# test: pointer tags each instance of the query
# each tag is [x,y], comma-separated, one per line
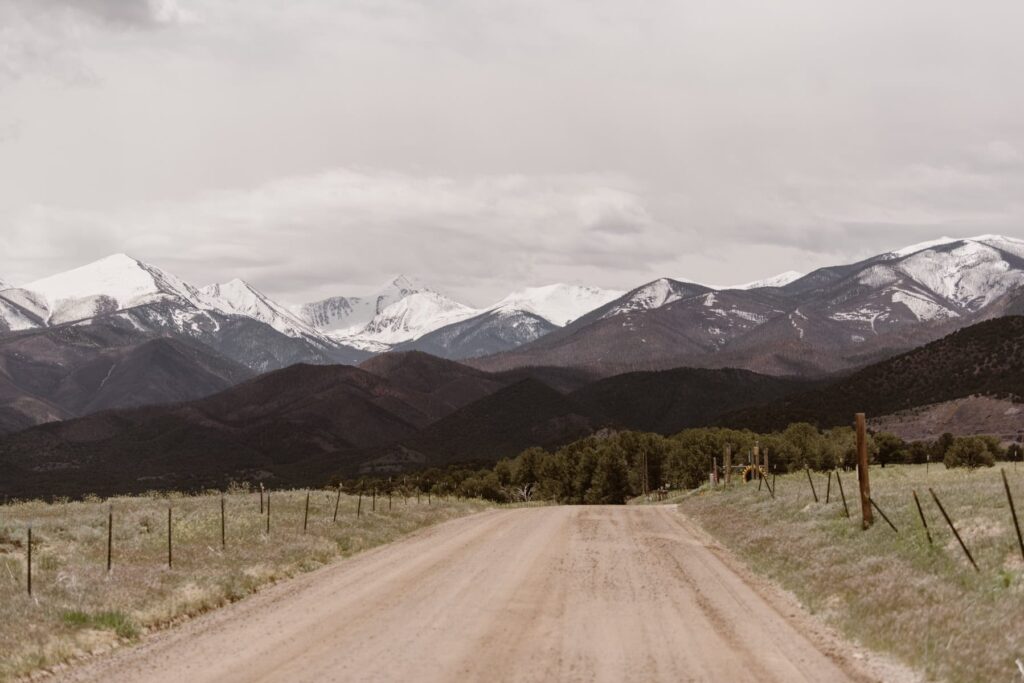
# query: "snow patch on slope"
[408,319]
[971,275]
[559,304]
[780,280]
[922,307]
[922,246]
[349,314]
[655,294]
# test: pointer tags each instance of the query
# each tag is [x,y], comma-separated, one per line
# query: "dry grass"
[77,608]
[892,591]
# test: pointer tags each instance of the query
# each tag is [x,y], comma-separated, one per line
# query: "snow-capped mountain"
[407,319]
[238,297]
[427,321]
[101,287]
[122,292]
[830,319]
[492,331]
[827,319]
[349,314]
[559,304]
[4,284]
[656,294]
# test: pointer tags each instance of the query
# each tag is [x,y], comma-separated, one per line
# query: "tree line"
[612,467]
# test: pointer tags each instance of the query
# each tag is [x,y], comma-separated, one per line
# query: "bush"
[970,451]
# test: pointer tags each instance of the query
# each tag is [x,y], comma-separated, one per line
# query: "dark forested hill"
[985,359]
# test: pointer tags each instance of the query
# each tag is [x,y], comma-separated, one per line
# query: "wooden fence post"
[867,517]
[305,518]
[268,513]
[359,505]
[728,464]
[29,560]
[373,507]
[261,497]
[170,546]
[110,538]
[337,503]
[924,522]
[1013,513]
[828,488]
[223,524]
[955,532]
[842,494]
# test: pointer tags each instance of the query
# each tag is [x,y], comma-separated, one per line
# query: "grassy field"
[78,608]
[892,591]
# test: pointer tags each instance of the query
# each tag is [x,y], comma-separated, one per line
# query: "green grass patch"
[118,622]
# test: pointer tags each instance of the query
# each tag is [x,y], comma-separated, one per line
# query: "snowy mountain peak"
[780,280]
[109,284]
[1008,244]
[656,294]
[346,315]
[559,303]
[922,246]
[409,318]
[238,297]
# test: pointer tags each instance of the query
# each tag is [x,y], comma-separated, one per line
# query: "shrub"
[970,451]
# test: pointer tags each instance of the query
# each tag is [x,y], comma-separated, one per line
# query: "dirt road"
[541,594]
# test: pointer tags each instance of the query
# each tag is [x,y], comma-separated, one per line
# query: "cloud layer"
[314,146]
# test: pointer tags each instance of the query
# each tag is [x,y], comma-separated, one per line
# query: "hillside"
[70,371]
[528,413]
[260,430]
[985,359]
[672,400]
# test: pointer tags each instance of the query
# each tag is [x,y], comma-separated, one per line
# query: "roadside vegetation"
[78,608]
[893,592]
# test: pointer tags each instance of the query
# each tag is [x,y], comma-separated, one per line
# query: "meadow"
[892,591]
[78,608]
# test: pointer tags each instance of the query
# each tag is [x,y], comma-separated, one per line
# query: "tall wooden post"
[862,473]
[28,560]
[110,538]
[728,464]
[766,470]
[170,535]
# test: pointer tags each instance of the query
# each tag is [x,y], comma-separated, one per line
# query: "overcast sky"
[315,147]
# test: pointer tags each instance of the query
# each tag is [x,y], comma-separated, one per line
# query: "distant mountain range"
[834,319]
[399,411]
